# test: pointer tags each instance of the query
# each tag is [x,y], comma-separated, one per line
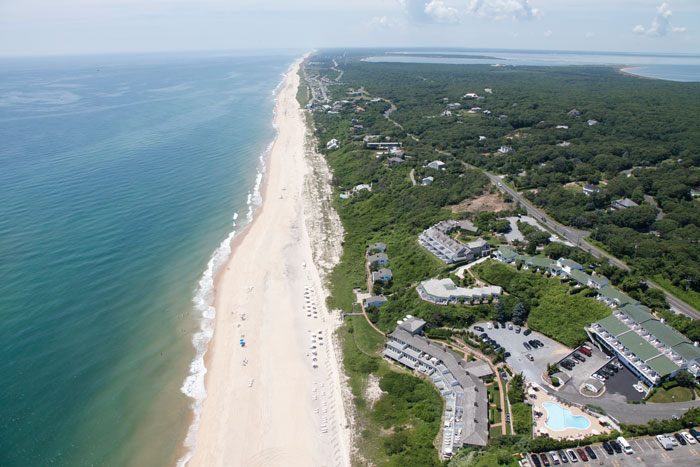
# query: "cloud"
[548,33]
[455,11]
[660,25]
[384,22]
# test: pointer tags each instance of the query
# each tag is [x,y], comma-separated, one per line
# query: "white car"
[673,440]
[688,437]
[489,325]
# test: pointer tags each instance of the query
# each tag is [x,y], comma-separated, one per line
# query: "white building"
[444,291]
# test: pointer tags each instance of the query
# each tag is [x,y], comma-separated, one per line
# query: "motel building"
[651,349]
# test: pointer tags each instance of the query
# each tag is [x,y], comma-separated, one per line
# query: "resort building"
[650,348]
[444,292]
[437,241]
[466,419]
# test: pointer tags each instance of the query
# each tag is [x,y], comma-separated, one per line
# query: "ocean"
[121,179]
[670,67]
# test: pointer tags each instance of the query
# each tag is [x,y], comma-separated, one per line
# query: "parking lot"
[583,370]
[647,451]
[623,383]
[512,342]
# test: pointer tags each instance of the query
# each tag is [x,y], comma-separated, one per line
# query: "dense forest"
[561,128]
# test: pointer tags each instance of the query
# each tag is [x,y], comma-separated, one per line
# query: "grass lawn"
[677,394]
[366,338]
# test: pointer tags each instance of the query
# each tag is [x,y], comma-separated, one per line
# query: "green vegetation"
[366,338]
[553,310]
[399,429]
[676,394]
[690,419]
[522,418]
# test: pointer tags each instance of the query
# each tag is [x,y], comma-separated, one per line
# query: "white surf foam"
[193,386]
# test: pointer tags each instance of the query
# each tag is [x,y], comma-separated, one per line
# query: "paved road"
[577,237]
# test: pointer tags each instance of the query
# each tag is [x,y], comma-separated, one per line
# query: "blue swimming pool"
[560,418]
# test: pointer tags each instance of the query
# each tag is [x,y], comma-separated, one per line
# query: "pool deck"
[539,397]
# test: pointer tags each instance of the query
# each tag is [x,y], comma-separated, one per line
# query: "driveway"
[513,342]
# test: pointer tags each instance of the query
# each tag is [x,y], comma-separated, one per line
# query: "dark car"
[535,460]
[527,346]
[496,347]
[532,343]
[579,357]
[562,457]
[608,448]
[591,453]
[527,332]
[478,328]
[680,439]
[616,446]
[506,355]
[582,454]
[572,455]
[695,433]
[539,342]
[545,460]
[495,325]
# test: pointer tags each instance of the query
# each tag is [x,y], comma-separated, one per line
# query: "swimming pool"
[559,418]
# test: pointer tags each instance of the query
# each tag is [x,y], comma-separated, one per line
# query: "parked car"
[562,456]
[688,437]
[495,325]
[478,328]
[544,459]
[579,357]
[673,440]
[510,326]
[527,346]
[680,439]
[535,460]
[483,335]
[616,446]
[572,455]
[506,355]
[695,433]
[527,332]
[664,442]
[608,448]
[530,357]
[489,325]
[585,351]
[539,342]
[555,458]
[582,454]
[591,453]
[532,343]
[613,368]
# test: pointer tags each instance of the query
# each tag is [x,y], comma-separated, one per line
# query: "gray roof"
[626,202]
[413,325]
[378,257]
[379,246]
[377,300]
[478,368]
[446,289]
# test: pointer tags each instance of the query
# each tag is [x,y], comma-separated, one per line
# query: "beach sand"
[276,410]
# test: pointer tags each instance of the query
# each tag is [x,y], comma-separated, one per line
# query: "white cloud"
[660,25]
[454,11]
[548,33]
[384,22]
[441,13]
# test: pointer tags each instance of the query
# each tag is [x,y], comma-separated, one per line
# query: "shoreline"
[266,402]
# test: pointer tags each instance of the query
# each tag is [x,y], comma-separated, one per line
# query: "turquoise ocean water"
[120,177]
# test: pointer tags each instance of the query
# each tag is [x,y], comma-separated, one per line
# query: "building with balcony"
[466,419]
[444,292]
[650,348]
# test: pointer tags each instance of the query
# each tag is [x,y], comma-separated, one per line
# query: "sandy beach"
[267,404]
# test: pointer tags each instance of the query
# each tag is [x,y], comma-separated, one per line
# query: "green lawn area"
[366,338]
[677,394]
[522,418]
[690,297]
[553,310]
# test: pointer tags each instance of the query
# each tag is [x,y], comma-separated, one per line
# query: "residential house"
[506,254]
[376,301]
[446,113]
[588,190]
[623,203]
[592,122]
[437,165]
[470,95]
[427,181]
[379,247]
[562,127]
[383,276]
[378,259]
[383,144]
[332,145]
[454,106]
[574,112]
[568,265]
[505,149]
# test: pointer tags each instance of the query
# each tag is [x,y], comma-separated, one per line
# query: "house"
[384,275]
[378,259]
[376,301]
[427,181]
[502,117]
[562,127]
[594,385]
[475,110]
[454,106]
[623,203]
[574,112]
[466,416]
[505,149]
[359,109]
[588,190]
[449,250]
[481,138]
[470,95]
[358,188]
[446,113]
[383,145]
[437,165]
[487,112]
[394,161]
[506,254]
[592,122]
[568,265]
[597,282]
[332,145]
[564,144]
[379,246]
[489,90]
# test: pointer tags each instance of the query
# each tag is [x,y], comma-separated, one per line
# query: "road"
[578,238]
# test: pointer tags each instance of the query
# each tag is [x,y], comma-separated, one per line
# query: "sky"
[50,27]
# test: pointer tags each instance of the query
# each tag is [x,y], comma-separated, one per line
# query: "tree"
[499,310]
[685,378]
[519,313]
